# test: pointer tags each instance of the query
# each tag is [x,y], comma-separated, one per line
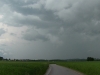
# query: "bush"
[90,59]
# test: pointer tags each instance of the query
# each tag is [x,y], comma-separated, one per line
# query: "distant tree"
[6,59]
[90,59]
[1,58]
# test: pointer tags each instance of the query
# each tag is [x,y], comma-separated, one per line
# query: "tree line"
[88,59]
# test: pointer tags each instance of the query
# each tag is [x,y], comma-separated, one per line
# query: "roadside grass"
[88,68]
[23,68]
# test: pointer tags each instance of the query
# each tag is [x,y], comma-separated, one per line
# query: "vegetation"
[22,68]
[88,68]
[90,59]
[39,67]
[1,58]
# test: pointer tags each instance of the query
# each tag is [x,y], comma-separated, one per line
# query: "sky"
[49,29]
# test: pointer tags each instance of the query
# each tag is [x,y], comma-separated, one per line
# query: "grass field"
[39,68]
[23,68]
[88,68]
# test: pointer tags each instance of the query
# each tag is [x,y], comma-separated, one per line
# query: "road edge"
[48,70]
[80,73]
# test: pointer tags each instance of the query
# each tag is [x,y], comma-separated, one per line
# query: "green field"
[88,68]
[23,68]
[39,68]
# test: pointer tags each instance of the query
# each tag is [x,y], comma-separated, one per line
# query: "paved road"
[59,70]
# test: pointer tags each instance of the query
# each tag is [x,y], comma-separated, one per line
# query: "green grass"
[23,68]
[88,68]
[39,68]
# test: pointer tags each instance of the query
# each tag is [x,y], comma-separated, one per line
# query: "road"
[59,70]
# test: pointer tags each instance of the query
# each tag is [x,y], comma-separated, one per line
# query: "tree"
[90,59]
[1,58]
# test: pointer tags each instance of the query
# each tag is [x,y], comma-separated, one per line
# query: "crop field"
[23,68]
[88,68]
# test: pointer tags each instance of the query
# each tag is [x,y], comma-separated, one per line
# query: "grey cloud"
[76,11]
[12,34]
[3,45]
[72,24]
[33,34]
[81,29]
[47,17]
[35,38]
[2,32]
[3,50]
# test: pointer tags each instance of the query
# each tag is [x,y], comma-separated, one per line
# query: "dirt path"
[59,70]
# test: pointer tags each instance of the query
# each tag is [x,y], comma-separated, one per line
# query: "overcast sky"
[49,29]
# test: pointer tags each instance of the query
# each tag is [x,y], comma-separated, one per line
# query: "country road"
[59,70]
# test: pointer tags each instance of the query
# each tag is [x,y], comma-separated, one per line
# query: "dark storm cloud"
[68,28]
[47,17]
[35,38]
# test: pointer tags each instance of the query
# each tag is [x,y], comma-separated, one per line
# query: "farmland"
[40,68]
[23,68]
[88,68]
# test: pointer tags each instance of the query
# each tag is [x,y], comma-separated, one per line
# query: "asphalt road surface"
[59,70]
